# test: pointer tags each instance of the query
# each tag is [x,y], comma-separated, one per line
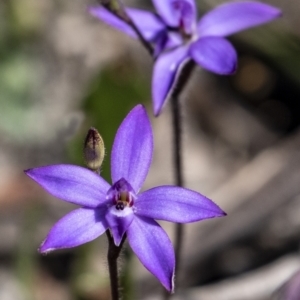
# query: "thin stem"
[177,161]
[177,130]
[112,258]
[177,155]
[177,149]
[177,164]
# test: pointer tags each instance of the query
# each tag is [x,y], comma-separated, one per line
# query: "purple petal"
[148,23]
[185,12]
[166,40]
[132,149]
[177,13]
[214,54]
[165,9]
[165,74]
[160,42]
[154,249]
[110,19]
[176,204]
[76,228]
[230,18]
[174,40]
[71,183]
[118,222]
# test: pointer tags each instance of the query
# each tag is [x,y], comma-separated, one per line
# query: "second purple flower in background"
[178,37]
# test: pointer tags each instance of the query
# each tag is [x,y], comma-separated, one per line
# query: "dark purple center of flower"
[120,205]
[121,194]
[184,10]
[123,199]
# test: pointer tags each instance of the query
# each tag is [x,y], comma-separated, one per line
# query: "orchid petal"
[76,228]
[148,23]
[109,18]
[214,54]
[176,204]
[166,40]
[186,13]
[160,43]
[165,9]
[118,222]
[177,13]
[71,183]
[154,249]
[132,149]
[165,74]
[230,18]
[174,40]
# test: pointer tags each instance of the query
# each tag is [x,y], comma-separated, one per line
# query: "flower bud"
[94,150]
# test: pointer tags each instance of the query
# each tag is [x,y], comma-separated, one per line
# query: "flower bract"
[121,207]
[178,37]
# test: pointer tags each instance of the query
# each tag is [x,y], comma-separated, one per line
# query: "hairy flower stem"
[112,258]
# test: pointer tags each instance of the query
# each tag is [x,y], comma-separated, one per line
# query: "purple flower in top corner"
[120,207]
[178,37]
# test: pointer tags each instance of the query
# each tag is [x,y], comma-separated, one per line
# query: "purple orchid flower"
[120,207]
[178,37]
